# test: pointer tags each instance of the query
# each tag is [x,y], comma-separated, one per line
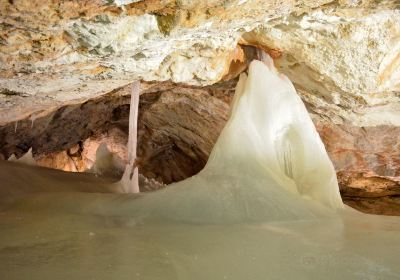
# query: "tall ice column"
[130,179]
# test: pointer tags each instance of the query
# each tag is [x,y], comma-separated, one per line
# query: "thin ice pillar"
[130,179]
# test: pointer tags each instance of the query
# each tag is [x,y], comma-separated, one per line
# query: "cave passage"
[266,206]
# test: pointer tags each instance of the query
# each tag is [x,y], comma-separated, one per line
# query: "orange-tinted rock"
[58,160]
[367,161]
[81,157]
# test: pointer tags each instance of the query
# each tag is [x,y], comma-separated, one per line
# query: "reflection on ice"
[266,206]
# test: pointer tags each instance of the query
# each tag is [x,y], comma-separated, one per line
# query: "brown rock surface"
[367,161]
[178,126]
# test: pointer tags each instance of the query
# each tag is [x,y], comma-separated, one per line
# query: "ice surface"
[266,206]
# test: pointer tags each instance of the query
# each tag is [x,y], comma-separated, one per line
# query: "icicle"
[32,118]
[130,179]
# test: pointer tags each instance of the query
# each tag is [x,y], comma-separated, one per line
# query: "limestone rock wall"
[342,55]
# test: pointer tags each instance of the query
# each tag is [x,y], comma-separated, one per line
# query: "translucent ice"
[270,128]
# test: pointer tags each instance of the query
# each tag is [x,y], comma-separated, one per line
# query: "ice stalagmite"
[270,124]
[27,158]
[269,163]
[106,163]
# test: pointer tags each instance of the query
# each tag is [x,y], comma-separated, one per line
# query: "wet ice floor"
[52,234]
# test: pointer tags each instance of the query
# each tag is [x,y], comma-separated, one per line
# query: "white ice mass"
[269,163]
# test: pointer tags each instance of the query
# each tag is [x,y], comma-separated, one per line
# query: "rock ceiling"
[343,56]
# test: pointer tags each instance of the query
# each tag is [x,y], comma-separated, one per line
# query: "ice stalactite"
[130,179]
[32,118]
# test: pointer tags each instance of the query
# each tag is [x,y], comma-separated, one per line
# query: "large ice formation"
[269,163]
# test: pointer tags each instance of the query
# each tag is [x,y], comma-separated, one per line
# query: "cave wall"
[178,126]
[66,66]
